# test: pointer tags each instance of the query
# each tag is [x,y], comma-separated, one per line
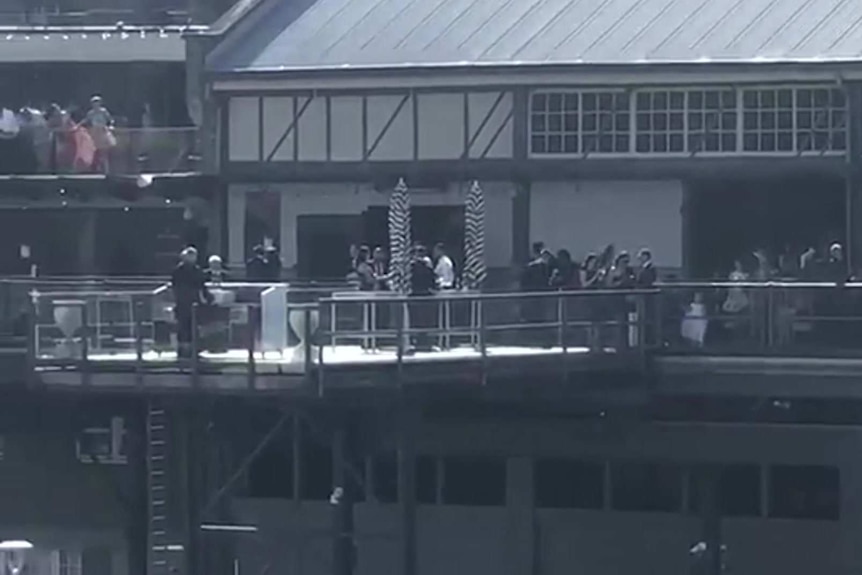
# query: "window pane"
[646,487]
[804,492]
[476,481]
[739,493]
[568,483]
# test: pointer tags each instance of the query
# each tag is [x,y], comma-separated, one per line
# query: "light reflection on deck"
[342,355]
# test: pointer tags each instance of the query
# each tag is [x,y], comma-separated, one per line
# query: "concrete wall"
[517,539]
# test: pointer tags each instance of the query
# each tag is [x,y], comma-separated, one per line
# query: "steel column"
[343,487]
[407,490]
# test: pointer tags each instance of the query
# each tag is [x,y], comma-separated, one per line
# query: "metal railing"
[126,151]
[264,329]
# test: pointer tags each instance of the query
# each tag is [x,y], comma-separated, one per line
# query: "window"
[724,120]
[646,487]
[385,478]
[804,492]
[579,123]
[569,484]
[427,480]
[821,120]
[739,491]
[767,120]
[711,117]
[65,562]
[474,481]
[660,122]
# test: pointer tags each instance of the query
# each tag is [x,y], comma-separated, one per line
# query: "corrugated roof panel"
[620,42]
[338,33]
[796,26]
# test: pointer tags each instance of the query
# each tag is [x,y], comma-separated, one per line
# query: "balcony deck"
[280,337]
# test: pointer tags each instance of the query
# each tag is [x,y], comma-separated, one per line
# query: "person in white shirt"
[444,269]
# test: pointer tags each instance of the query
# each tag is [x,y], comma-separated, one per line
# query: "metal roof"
[343,34]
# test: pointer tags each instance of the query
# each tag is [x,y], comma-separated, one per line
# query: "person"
[537,274]
[621,275]
[215,271]
[423,283]
[272,261]
[100,123]
[256,266]
[646,275]
[188,283]
[444,269]
[380,268]
[566,274]
[364,271]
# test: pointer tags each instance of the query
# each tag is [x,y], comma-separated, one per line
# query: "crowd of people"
[56,139]
[608,270]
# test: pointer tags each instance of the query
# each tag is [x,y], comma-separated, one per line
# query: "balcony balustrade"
[260,330]
[131,151]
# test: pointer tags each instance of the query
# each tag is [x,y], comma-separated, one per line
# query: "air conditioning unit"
[103,445]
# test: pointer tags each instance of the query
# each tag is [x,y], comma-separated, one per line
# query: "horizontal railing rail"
[117,151]
[280,328]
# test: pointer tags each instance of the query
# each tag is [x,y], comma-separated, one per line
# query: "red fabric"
[84,150]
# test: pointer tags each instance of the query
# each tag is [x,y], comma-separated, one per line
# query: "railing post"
[194,347]
[31,335]
[483,341]
[564,334]
[320,366]
[137,326]
[252,335]
[85,344]
[399,349]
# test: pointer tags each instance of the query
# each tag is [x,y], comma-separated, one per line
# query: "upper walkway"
[121,333]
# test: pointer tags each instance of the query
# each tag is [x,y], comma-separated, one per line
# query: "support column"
[711,560]
[687,231]
[520,517]
[343,496]
[195,423]
[406,443]
[521,224]
[854,178]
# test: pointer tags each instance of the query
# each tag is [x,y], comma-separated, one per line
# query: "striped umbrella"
[475,270]
[400,241]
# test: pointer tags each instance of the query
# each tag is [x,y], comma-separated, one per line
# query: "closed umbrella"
[399,237]
[475,269]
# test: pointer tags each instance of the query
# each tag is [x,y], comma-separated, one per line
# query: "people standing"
[423,283]
[188,283]
[444,269]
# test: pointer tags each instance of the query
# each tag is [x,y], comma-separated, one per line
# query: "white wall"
[586,216]
[342,199]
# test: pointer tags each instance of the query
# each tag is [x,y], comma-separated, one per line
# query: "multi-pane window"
[660,122]
[712,121]
[721,120]
[821,120]
[767,120]
[579,123]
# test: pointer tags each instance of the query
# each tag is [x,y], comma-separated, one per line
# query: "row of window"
[689,121]
[744,490]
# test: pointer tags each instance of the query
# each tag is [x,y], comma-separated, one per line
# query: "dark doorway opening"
[731,218]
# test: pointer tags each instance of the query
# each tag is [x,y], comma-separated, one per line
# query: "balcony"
[265,337]
[91,13]
[73,153]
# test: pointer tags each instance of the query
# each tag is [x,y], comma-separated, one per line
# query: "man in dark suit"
[188,283]
[646,275]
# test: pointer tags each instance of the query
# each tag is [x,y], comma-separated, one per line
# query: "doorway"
[323,245]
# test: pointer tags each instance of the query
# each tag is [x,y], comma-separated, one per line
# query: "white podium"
[273,319]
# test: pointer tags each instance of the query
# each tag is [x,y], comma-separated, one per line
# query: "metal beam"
[343,496]
[290,128]
[379,138]
[245,464]
[488,115]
